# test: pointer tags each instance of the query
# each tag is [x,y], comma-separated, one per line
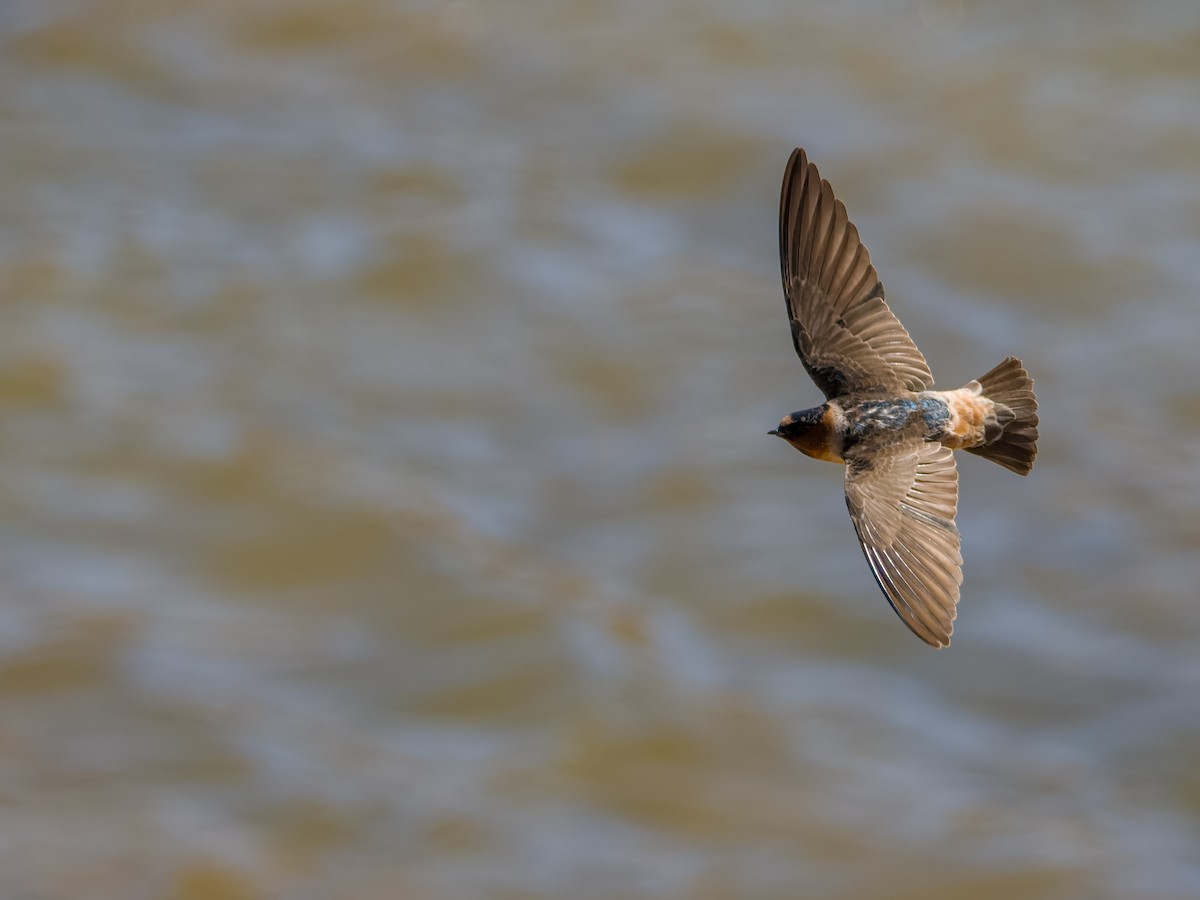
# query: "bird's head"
[797,425]
[810,431]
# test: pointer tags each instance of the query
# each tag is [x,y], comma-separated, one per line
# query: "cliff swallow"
[881,418]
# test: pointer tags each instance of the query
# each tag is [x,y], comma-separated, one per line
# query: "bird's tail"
[1012,440]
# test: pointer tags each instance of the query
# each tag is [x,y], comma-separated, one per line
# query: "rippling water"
[389,510]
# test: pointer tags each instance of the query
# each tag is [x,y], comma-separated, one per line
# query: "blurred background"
[388,509]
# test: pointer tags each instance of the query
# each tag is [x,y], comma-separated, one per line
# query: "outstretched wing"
[847,338]
[902,500]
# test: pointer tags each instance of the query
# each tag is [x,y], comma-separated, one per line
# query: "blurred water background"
[388,509]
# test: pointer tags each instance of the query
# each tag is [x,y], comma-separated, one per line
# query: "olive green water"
[387,505]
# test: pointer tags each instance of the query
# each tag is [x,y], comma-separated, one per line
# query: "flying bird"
[881,418]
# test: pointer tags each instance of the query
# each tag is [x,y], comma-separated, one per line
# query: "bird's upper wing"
[902,500]
[847,338]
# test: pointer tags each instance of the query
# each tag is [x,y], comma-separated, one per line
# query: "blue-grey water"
[388,510]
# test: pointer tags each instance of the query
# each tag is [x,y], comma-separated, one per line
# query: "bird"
[881,418]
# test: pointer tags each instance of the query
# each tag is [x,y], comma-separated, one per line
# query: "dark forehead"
[808,416]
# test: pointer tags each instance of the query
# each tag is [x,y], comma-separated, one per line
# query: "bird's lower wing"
[902,501]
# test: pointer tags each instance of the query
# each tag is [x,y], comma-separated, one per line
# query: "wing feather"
[846,336]
[902,500]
